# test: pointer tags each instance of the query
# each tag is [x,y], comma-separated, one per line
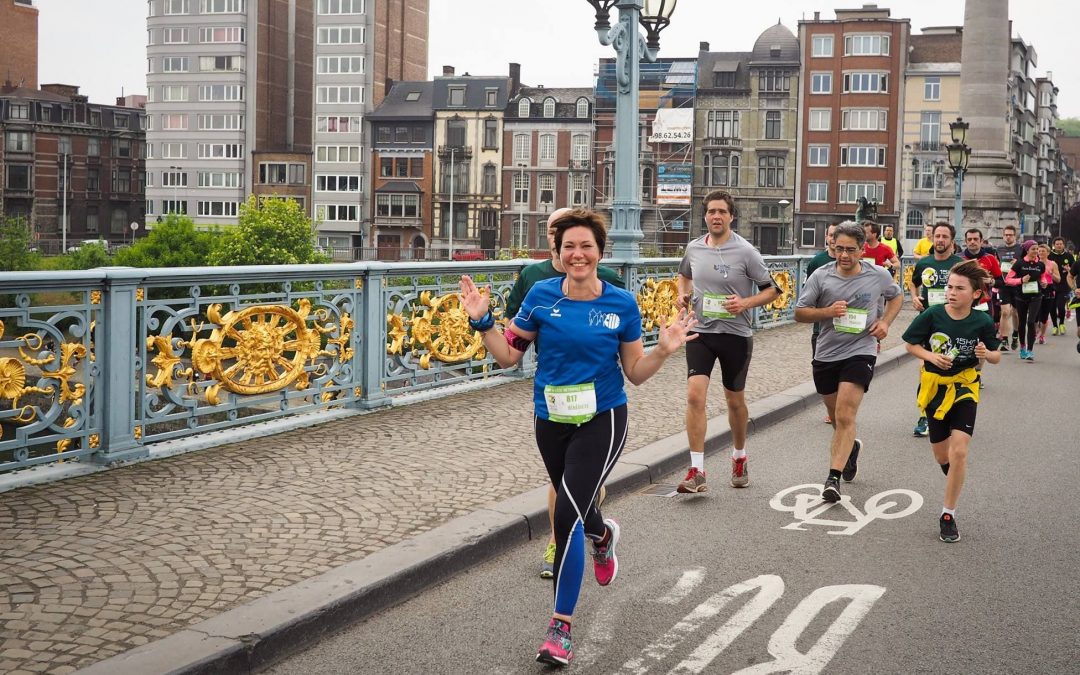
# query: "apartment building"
[469,113]
[931,102]
[850,103]
[268,98]
[547,161]
[1023,126]
[19,43]
[60,153]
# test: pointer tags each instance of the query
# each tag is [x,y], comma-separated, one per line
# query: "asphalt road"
[753,581]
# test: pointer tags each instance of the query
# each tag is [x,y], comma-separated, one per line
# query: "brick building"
[52,137]
[19,43]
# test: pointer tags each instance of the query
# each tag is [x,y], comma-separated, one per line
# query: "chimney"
[515,79]
[388,86]
[447,71]
[703,46]
[817,16]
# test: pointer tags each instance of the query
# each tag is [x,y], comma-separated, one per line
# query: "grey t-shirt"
[864,291]
[733,268]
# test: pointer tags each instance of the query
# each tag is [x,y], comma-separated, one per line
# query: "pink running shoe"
[1042,339]
[605,562]
[556,649]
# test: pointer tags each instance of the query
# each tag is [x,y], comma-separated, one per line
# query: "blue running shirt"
[579,340]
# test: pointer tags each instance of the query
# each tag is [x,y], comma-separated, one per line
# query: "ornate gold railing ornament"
[656,301]
[442,330]
[785,281]
[908,272]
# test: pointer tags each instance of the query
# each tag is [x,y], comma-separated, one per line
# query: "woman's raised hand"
[677,333]
[475,301]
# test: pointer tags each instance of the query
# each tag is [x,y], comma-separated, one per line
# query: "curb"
[256,634]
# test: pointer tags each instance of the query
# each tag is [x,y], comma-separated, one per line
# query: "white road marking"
[770,587]
[689,580]
[782,644]
[808,506]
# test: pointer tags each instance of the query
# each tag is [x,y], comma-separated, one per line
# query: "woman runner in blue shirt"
[589,335]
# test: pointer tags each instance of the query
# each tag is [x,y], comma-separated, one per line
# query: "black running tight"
[1061,303]
[578,460]
[1027,315]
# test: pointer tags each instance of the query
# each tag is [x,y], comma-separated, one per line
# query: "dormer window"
[523,107]
[549,107]
[774,52]
[456,96]
[583,107]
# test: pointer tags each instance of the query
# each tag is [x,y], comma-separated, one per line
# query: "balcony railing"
[460,151]
[723,142]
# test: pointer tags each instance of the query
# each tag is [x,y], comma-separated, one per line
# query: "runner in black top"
[1026,277]
[1062,291]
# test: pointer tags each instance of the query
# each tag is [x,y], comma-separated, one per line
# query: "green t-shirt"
[546,270]
[820,259]
[931,276]
[935,330]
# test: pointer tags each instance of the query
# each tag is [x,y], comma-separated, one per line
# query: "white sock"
[951,512]
[697,460]
[738,453]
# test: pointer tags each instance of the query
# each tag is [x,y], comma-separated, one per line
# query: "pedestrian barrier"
[98,365]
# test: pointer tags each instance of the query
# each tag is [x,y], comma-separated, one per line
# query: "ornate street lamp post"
[959,155]
[653,16]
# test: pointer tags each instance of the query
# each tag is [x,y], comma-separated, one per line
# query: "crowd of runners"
[974,302]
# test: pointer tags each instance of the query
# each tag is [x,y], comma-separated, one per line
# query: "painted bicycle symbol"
[805,502]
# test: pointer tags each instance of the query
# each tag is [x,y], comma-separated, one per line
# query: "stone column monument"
[989,197]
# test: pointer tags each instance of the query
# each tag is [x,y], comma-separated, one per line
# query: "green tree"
[88,256]
[1070,126]
[16,238]
[173,242]
[273,232]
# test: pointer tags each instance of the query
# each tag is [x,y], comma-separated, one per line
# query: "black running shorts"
[829,374]
[961,416]
[732,351]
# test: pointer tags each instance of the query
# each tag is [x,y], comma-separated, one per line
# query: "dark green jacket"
[546,270]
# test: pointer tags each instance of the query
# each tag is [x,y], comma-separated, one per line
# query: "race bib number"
[853,321]
[712,306]
[571,404]
[1006,266]
[935,296]
[1030,287]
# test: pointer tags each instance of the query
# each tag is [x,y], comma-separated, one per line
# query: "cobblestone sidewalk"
[96,565]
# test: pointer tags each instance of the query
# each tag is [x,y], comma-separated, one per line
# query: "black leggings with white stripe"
[578,460]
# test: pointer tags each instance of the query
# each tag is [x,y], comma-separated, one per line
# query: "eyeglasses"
[850,250]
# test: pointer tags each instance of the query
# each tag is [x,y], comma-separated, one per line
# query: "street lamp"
[959,155]
[521,213]
[783,224]
[451,240]
[624,37]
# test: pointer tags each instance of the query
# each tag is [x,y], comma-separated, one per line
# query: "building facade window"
[547,147]
[930,130]
[176,7]
[336,212]
[174,92]
[341,95]
[341,7]
[173,151]
[817,155]
[17,177]
[221,64]
[820,119]
[221,34]
[221,92]
[851,192]
[862,155]
[223,6]
[771,171]
[490,179]
[582,108]
[174,179]
[455,132]
[171,206]
[817,191]
[546,188]
[337,153]
[522,148]
[821,46]
[821,83]
[221,122]
[216,208]
[579,189]
[549,107]
[808,238]
[866,83]
[932,88]
[455,96]
[332,65]
[491,134]
[866,45]
[337,183]
[20,141]
[774,80]
[221,179]
[579,147]
[523,107]
[722,124]
[341,35]
[174,64]
[174,36]
[343,124]
[772,124]
[646,184]
[221,150]
[724,80]
[721,170]
[521,189]
[397,206]
[860,119]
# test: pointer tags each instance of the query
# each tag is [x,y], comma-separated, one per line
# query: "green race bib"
[571,403]
[712,306]
[854,321]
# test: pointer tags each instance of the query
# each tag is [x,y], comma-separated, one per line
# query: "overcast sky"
[101,44]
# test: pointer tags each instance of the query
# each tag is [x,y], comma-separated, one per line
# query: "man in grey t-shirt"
[845,299]
[724,277]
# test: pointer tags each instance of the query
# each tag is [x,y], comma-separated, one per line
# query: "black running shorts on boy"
[732,351]
[857,369]
[961,416]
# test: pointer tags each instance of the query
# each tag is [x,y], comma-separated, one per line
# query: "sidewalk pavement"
[224,559]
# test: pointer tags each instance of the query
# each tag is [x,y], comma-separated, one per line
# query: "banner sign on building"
[673,194]
[673,125]
[675,173]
